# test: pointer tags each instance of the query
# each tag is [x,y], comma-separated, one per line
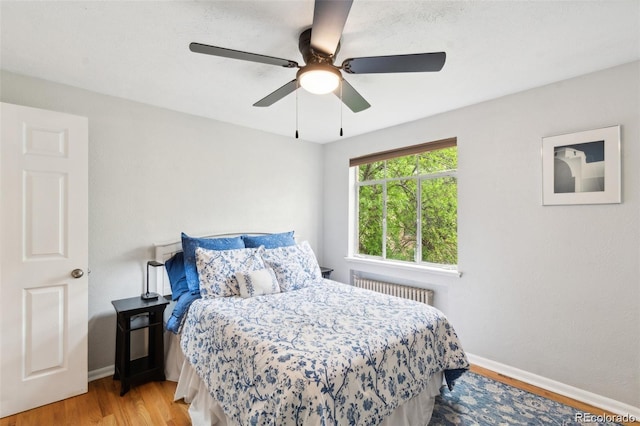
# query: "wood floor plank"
[109,391]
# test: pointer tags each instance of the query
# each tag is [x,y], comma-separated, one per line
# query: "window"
[407,204]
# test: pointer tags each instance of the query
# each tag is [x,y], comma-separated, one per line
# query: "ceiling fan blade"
[237,54]
[419,62]
[329,17]
[351,97]
[278,94]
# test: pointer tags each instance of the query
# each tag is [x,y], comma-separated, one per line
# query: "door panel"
[44,327]
[43,237]
[45,234]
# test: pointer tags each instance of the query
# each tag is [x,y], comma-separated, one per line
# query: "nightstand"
[135,314]
[326,272]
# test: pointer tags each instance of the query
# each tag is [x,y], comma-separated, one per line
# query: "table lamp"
[147,295]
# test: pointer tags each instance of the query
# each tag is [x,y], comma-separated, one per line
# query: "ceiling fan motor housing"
[311,55]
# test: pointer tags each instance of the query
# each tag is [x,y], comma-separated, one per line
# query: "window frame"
[419,179]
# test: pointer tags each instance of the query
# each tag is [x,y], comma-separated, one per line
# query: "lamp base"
[149,296]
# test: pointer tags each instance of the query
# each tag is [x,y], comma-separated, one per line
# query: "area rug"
[477,400]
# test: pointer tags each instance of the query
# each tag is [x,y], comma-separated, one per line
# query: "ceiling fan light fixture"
[319,78]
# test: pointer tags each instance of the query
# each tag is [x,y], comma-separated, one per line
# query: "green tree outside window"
[408,208]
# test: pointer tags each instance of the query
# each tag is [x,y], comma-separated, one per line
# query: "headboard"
[164,251]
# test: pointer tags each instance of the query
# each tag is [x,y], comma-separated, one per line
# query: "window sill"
[404,266]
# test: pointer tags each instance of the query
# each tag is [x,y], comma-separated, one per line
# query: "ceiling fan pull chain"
[341,103]
[297,86]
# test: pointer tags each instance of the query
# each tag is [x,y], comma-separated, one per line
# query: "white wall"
[154,173]
[551,290]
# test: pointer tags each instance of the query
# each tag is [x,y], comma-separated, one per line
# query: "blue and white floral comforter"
[326,354]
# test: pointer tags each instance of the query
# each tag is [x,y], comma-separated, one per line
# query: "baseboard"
[101,372]
[590,398]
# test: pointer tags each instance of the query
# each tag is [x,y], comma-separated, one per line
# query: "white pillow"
[295,266]
[257,283]
[217,269]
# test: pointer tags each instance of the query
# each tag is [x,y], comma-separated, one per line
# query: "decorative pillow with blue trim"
[270,241]
[217,269]
[257,283]
[295,266]
[177,276]
[189,245]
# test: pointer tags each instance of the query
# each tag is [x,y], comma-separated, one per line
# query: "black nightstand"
[326,272]
[135,314]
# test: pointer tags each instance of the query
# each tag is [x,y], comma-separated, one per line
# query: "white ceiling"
[139,51]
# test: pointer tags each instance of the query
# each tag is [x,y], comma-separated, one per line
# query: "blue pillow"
[174,324]
[270,241]
[177,276]
[189,245]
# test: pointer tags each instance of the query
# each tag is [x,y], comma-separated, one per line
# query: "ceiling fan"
[319,46]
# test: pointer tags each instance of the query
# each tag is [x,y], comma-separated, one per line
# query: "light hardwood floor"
[152,404]
[148,404]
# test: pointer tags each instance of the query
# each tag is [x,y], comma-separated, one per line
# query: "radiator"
[422,295]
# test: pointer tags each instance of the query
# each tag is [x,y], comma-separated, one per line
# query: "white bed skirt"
[173,356]
[205,411]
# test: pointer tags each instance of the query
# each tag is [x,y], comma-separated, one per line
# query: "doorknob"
[77,273]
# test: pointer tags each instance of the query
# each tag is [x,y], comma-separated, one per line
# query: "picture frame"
[582,167]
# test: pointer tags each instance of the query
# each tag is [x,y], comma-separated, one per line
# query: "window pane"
[439,220]
[371,171]
[401,219]
[401,166]
[370,220]
[438,161]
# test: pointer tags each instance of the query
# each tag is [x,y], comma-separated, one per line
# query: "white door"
[43,239]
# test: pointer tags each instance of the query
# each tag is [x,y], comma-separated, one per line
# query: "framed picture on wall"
[582,167]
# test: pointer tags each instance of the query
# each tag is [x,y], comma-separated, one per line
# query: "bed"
[268,341]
